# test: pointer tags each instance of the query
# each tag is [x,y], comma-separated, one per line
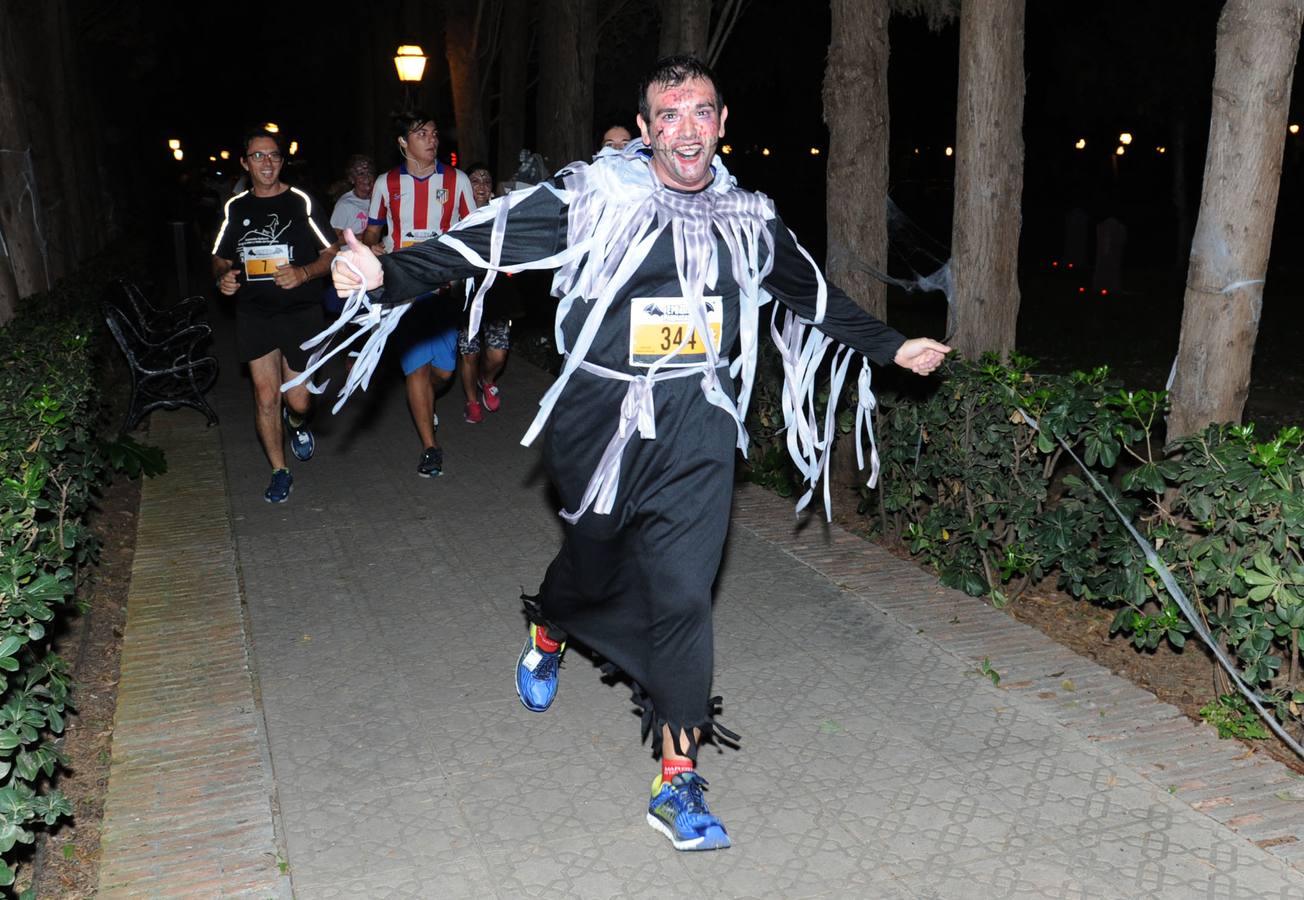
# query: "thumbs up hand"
[344,277]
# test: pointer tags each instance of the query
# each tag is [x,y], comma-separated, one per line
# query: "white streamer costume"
[641,426]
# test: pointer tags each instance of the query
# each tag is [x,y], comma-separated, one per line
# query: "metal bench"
[155,322]
[165,374]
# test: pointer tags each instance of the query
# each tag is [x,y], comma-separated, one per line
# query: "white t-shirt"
[350,212]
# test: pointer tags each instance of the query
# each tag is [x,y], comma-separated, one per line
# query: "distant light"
[1104,292]
[1294,129]
[1161,149]
[1125,138]
[174,143]
[1120,150]
[1081,144]
[212,159]
[726,149]
[765,151]
[178,155]
[225,154]
[271,128]
[814,151]
[950,151]
[1082,290]
[452,159]
[1070,265]
[916,151]
[294,147]
[410,61]
[1054,264]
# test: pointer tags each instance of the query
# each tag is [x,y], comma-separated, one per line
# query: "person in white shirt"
[351,210]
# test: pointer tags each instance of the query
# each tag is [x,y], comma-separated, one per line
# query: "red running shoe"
[489,392]
[474,415]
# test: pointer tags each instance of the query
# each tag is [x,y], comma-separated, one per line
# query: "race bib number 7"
[261,260]
[658,325]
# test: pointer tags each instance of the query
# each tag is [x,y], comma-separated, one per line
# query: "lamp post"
[410,61]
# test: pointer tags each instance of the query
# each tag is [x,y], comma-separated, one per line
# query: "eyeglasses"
[260,155]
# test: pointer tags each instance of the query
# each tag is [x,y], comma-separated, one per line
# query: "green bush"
[996,505]
[52,460]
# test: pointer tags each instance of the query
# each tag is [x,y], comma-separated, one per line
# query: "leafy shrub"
[52,460]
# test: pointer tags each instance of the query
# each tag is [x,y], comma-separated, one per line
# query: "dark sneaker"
[302,443]
[474,414]
[536,674]
[432,463]
[489,392]
[279,490]
[678,810]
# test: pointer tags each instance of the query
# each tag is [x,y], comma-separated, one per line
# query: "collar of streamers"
[618,210]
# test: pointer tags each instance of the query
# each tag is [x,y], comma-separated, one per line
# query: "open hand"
[921,355]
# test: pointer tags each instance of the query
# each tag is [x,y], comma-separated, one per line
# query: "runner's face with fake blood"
[686,126]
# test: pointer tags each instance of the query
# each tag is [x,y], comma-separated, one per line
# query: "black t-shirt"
[260,233]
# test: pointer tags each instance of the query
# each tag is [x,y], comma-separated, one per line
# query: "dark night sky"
[1095,68]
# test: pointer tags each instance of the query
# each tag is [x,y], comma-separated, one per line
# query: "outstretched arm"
[536,229]
[792,281]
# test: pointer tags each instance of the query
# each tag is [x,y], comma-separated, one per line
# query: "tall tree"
[685,27]
[514,45]
[44,100]
[565,102]
[1256,48]
[465,21]
[856,112]
[988,177]
[22,247]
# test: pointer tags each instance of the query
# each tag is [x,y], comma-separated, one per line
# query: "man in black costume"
[663,263]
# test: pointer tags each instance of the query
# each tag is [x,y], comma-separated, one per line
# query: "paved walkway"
[383,621]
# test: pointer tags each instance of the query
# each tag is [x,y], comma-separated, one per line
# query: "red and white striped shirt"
[417,209]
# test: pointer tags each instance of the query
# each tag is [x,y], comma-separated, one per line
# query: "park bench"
[155,322]
[165,374]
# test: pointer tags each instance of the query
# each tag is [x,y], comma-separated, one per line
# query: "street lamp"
[410,61]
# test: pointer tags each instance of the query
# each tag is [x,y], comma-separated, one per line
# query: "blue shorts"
[427,334]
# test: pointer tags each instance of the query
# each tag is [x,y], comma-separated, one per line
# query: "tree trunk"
[988,177]
[1257,44]
[44,94]
[856,112]
[565,105]
[511,87]
[461,45]
[1181,203]
[856,182]
[20,238]
[685,27]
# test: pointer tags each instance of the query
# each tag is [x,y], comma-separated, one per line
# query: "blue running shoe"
[431,464]
[536,674]
[279,490]
[678,810]
[302,443]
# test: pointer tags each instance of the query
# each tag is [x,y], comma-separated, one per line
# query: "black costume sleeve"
[536,229]
[792,282]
